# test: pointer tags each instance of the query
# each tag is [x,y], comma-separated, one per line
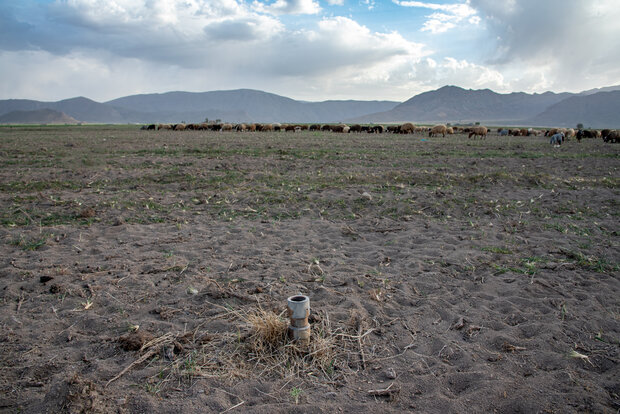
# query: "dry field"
[148,271]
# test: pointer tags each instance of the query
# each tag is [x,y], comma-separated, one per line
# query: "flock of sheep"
[406,128]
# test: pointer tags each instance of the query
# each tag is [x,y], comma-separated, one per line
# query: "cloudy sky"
[305,49]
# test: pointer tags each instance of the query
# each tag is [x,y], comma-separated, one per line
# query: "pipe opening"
[298,298]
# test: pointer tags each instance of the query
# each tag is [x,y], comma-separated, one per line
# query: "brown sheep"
[438,129]
[227,127]
[479,130]
[266,127]
[315,127]
[356,128]
[164,126]
[339,128]
[407,128]
[326,127]
[611,136]
[450,131]
[179,127]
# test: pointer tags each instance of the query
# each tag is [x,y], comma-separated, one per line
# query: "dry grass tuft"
[265,350]
[271,351]
[267,331]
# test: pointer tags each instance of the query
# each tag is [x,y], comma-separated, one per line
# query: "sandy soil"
[444,274]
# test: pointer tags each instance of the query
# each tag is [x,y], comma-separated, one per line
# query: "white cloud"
[335,2]
[288,7]
[335,58]
[106,49]
[573,44]
[449,17]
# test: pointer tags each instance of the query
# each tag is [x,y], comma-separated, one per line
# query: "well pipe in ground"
[298,312]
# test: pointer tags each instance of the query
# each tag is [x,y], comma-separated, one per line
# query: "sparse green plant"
[495,249]
[296,394]
[31,243]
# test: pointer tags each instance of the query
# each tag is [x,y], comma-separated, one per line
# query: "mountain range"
[597,108]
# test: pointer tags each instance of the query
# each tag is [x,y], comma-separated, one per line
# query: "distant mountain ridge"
[249,105]
[594,108]
[458,105]
[454,104]
[598,110]
[38,116]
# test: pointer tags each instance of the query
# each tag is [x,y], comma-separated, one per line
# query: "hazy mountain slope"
[598,110]
[257,105]
[37,116]
[454,104]
[82,109]
[447,104]
[605,89]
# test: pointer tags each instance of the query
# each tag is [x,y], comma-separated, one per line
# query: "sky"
[311,50]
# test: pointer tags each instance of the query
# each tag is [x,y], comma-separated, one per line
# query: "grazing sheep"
[339,128]
[438,129]
[503,132]
[449,130]
[479,130]
[266,127]
[378,129]
[288,128]
[227,127]
[179,127]
[315,127]
[611,136]
[392,128]
[326,127]
[356,128]
[585,133]
[164,126]
[570,133]
[557,139]
[406,128]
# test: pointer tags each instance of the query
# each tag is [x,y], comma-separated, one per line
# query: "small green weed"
[31,243]
[296,394]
